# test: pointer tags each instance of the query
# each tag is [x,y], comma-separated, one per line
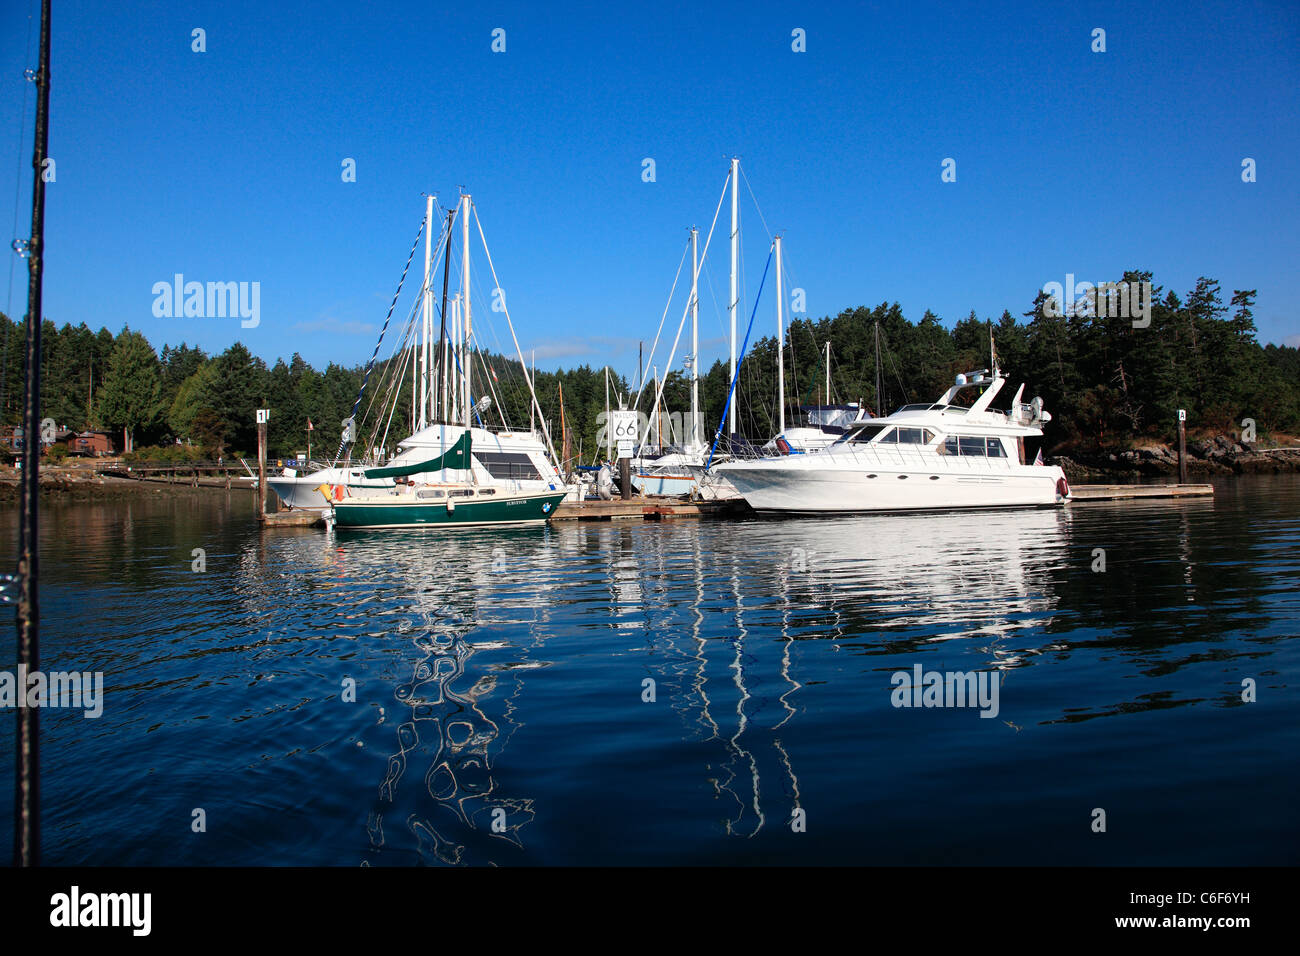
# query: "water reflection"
[719,630]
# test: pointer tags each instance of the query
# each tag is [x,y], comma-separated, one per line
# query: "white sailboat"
[512,460]
[683,471]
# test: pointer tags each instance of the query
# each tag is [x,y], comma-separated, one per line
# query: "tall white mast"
[659,437]
[464,280]
[731,307]
[426,326]
[609,432]
[695,338]
[453,346]
[827,399]
[780,344]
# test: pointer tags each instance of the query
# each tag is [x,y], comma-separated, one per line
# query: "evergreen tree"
[130,398]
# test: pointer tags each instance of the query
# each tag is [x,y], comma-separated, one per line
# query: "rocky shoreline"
[1221,455]
[73,483]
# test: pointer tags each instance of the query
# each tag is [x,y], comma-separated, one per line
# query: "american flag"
[1038,459]
[309,425]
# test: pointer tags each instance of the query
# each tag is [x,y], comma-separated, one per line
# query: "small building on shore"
[92,444]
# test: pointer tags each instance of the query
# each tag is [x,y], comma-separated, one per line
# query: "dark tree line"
[1104,381]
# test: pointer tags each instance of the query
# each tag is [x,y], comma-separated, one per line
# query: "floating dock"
[298,517]
[647,509]
[1121,492]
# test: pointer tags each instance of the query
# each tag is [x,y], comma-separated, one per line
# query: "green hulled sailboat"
[461,504]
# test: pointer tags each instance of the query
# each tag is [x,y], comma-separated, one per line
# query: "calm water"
[500,680]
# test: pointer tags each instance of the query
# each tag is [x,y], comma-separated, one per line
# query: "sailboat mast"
[609,432]
[828,371]
[426,324]
[695,339]
[734,301]
[878,400]
[468,357]
[658,413]
[780,344]
[442,332]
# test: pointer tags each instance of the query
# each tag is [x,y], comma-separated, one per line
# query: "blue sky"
[226,165]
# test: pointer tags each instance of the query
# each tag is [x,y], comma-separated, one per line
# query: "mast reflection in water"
[674,693]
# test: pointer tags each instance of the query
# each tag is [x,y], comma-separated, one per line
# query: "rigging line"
[390,384]
[405,342]
[392,391]
[515,338]
[18,178]
[371,364]
[704,258]
[640,386]
[756,205]
[488,375]
[672,355]
[391,411]
[740,359]
[717,307]
[902,392]
[476,345]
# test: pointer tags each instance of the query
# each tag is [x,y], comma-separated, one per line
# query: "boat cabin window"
[429,493]
[974,446]
[507,464]
[461,493]
[907,436]
[485,492]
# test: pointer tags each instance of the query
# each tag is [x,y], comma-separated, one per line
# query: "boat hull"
[803,490]
[403,512]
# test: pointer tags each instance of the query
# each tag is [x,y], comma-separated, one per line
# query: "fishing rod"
[27,830]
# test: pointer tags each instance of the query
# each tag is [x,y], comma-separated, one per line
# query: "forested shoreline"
[1106,383]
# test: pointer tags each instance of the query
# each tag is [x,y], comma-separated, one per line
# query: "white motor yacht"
[928,456]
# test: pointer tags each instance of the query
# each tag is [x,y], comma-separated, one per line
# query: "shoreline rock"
[1221,455]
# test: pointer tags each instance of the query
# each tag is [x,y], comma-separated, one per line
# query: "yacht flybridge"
[927,456]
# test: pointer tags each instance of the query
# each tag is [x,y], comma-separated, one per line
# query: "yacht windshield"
[863,435]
